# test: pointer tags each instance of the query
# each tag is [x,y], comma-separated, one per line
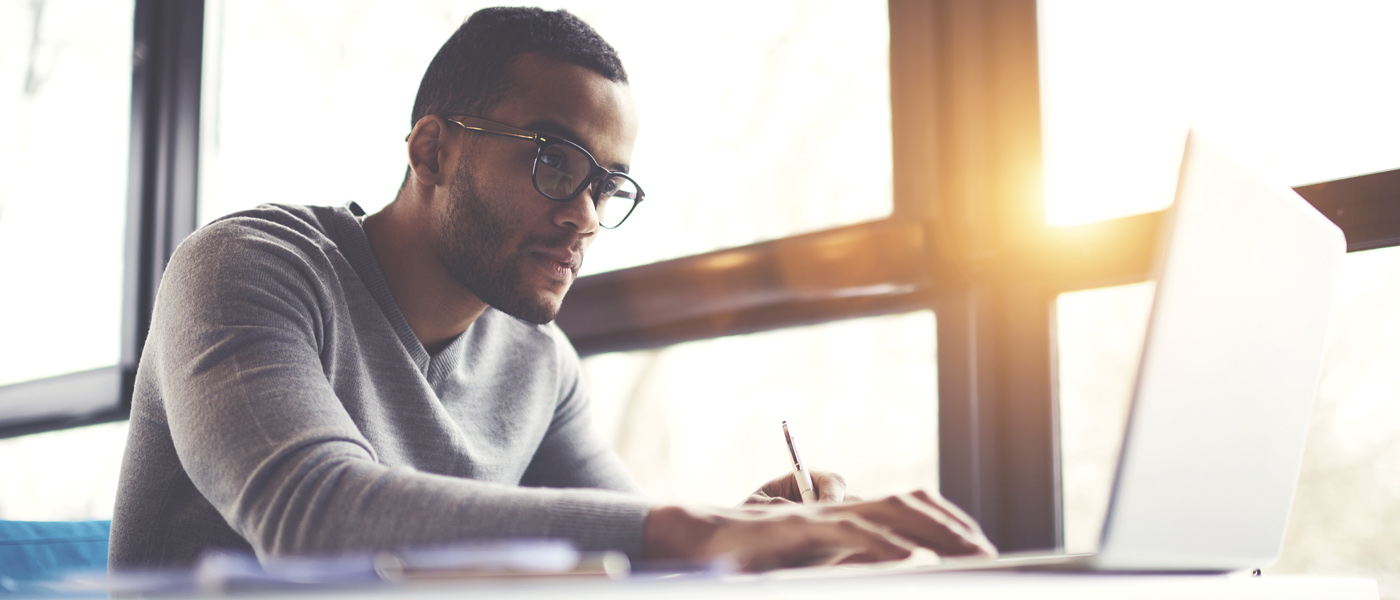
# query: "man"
[315,382]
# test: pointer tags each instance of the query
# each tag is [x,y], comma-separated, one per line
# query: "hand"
[782,489]
[791,535]
[928,520]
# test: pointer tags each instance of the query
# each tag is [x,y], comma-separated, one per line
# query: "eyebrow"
[550,126]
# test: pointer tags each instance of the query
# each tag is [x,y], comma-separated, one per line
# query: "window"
[1345,508]
[94,129]
[64,122]
[699,422]
[1100,339]
[1296,88]
[70,474]
[772,132]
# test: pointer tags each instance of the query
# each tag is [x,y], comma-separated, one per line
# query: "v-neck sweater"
[284,406]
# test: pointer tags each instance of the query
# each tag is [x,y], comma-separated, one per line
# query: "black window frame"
[167,55]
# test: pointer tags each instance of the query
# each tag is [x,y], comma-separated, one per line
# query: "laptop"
[1214,441]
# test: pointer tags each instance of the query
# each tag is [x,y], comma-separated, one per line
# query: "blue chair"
[36,551]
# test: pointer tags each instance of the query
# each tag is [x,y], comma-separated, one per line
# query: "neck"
[436,306]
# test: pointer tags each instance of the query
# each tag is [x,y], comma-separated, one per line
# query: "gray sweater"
[284,406]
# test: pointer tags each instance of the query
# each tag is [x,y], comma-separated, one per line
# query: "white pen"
[799,469]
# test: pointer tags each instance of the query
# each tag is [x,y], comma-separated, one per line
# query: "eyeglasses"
[563,169]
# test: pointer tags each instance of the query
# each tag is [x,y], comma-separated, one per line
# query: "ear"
[426,150]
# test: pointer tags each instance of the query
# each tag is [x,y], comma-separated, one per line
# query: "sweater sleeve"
[261,434]
[573,454]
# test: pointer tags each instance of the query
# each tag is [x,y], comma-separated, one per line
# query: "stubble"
[473,245]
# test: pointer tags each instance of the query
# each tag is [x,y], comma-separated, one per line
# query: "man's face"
[510,246]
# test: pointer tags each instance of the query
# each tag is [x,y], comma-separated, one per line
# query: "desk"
[943,586]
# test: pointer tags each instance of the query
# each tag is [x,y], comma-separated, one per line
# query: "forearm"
[326,499]
[672,533]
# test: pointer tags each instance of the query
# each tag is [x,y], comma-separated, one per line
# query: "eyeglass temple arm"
[522,136]
[531,136]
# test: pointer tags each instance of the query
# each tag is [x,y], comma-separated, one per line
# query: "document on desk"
[219,572]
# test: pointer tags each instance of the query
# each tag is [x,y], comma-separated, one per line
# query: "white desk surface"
[943,586]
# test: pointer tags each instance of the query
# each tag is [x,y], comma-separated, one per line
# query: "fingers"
[951,510]
[761,498]
[943,505]
[863,541]
[762,538]
[782,486]
[926,520]
[920,517]
[796,540]
[830,486]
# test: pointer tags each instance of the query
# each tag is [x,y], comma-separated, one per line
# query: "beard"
[472,244]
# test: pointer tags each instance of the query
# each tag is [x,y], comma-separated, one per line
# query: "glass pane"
[700,422]
[1346,514]
[1304,90]
[65,116]
[62,475]
[773,131]
[1100,343]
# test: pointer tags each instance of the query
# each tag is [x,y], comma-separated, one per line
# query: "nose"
[578,214]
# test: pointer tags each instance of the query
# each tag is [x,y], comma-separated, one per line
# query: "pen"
[799,469]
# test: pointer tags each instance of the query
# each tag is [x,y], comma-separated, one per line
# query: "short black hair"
[468,74]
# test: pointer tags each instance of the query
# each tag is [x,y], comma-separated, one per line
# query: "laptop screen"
[1230,366]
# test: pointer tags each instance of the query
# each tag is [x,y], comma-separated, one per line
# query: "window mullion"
[998,456]
[166,67]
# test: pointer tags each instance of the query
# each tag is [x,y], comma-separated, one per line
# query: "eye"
[554,157]
[607,187]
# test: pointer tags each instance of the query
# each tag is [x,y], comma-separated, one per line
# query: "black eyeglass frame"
[595,174]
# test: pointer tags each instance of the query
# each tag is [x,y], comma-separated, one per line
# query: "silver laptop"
[1214,441]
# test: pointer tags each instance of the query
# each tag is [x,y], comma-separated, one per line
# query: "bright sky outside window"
[65,116]
[1304,91]
[65,109]
[700,422]
[1100,336]
[766,131]
[89,459]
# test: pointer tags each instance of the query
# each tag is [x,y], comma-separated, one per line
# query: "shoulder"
[269,235]
[264,256]
[292,226]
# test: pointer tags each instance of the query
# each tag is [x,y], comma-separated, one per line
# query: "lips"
[560,262]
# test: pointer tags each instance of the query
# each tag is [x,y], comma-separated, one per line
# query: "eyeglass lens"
[560,172]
